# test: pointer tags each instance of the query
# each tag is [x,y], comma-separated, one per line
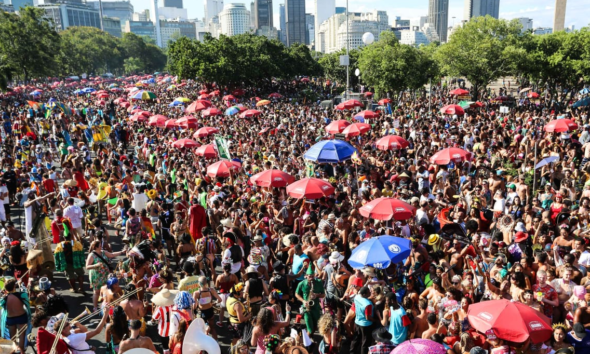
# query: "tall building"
[141,28]
[263,13]
[340,10]
[527,23]
[309,29]
[212,9]
[295,21]
[173,3]
[112,26]
[252,16]
[234,19]
[155,18]
[17,4]
[121,9]
[332,34]
[398,22]
[170,13]
[542,30]
[423,21]
[141,16]
[65,15]
[559,16]
[283,33]
[477,8]
[438,15]
[413,37]
[171,29]
[324,9]
[430,32]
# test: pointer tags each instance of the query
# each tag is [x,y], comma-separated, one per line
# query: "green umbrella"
[465,104]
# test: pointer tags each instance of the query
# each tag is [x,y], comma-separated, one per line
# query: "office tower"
[283,36]
[309,29]
[324,9]
[527,23]
[173,3]
[234,19]
[438,15]
[476,8]
[295,21]
[65,15]
[559,16]
[212,9]
[263,15]
[123,9]
[423,21]
[340,10]
[156,20]
[252,16]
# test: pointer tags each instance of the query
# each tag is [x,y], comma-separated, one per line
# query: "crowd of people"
[156,205]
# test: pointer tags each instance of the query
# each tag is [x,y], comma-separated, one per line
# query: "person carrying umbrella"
[309,291]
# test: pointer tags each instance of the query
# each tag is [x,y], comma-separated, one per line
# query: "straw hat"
[33,254]
[70,183]
[433,239]
[164,298]
[297,349]
[7,346]
[152,194]
[287,240]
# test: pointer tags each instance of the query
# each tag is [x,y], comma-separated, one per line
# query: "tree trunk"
[475,94]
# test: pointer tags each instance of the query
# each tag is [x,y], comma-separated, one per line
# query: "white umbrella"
[547,161]
[526,89]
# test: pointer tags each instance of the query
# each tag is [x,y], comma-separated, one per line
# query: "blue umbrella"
[379,252]
[582,103]
[78,92]
[52,99]
[88,90]
[35,93]
[175,104]
[330,151]
[584,91]
[231,111]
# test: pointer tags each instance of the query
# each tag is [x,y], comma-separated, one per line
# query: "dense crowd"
[195,180]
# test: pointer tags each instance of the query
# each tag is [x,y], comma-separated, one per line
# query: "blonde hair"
[326,324]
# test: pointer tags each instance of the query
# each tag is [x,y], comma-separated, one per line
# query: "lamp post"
[347,54]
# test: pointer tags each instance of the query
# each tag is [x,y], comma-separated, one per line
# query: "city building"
[413,37]
[477,8]
[17,4]
[423,21]
[70,14]
[332,34]
[6,8]
[295,21]
[173,3]
[185,28]
[542,30]
[340,10]
[212,9]
[430,32]
[263,15]
[169,13]
[283,23]
[121,9]
[398,22]
[268,32]
[234,19]
[252,16]
[527,23]
[112,26]
[324,9]
[141,28]
[141,16]
[438,15]
[155,18]
[559,15]
[309,29]
[397,31]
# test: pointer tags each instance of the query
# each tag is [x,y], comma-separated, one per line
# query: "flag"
[356,159]
[66,229]
[113,201]
[149,227]
[389,108]
[47,113]
[221,146]
[309,169]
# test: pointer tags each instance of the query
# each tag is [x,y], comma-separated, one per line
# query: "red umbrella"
[170,123]
[392,142]
[157,120]
[532,95]
[387,209]
[356,129]
[355,103]
[459,92]
[238,92]
[511,321]
[367,114]
[384,102]
[203,92]
[211,112]
[310,188]
[215,93]
[100,103]
[205,131]
[452,109]
[185,143]
[250,113]
[138,118]
[103,95]
[223,168]
[304,79]
[560,126]
[342,106]
[368,94]
[207,151]
[198,105]
[263,131]
[204,96]
[337,126]
[272,178]
[229,98]
[125,104]
[275,95]
[120,100]
[187,122]
[255,99]
[446,156]
[145,113]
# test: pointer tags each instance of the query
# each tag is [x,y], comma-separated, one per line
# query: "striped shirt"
[164,315]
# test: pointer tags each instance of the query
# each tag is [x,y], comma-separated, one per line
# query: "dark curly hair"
[265,320]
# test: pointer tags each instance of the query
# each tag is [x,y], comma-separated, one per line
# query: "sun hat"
[164,298]
[433,239]
[336,257]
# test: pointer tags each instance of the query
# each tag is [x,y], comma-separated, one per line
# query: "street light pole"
[100,14]
[347,53]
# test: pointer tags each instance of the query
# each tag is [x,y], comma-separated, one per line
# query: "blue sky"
[541,11]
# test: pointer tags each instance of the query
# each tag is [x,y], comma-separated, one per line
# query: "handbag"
[104,261]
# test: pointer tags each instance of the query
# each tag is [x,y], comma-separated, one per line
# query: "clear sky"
[541,11]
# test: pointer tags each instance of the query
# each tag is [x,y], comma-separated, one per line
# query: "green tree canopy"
[334,71]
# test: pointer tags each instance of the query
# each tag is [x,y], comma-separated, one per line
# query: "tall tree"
[334,71]
[483,50]
[28,42]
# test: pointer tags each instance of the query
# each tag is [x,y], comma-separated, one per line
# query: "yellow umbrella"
[182,99]
[262,103]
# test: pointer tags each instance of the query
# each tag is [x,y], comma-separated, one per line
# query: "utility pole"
[100,14]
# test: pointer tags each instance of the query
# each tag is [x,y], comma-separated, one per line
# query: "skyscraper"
[295,21]
[283,36]
[476,8]
[212,9]
[173,3]
[156,20]
[324,9]
[263,13]
[438,15]
[234,19]
[559,16]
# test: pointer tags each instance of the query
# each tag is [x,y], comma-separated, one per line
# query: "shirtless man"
[496,183]
[433,327]
[16,312]
[582,315]
[523,190]
[420,320]
[135,339]
[111,291]
[312,250]
[133,307]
